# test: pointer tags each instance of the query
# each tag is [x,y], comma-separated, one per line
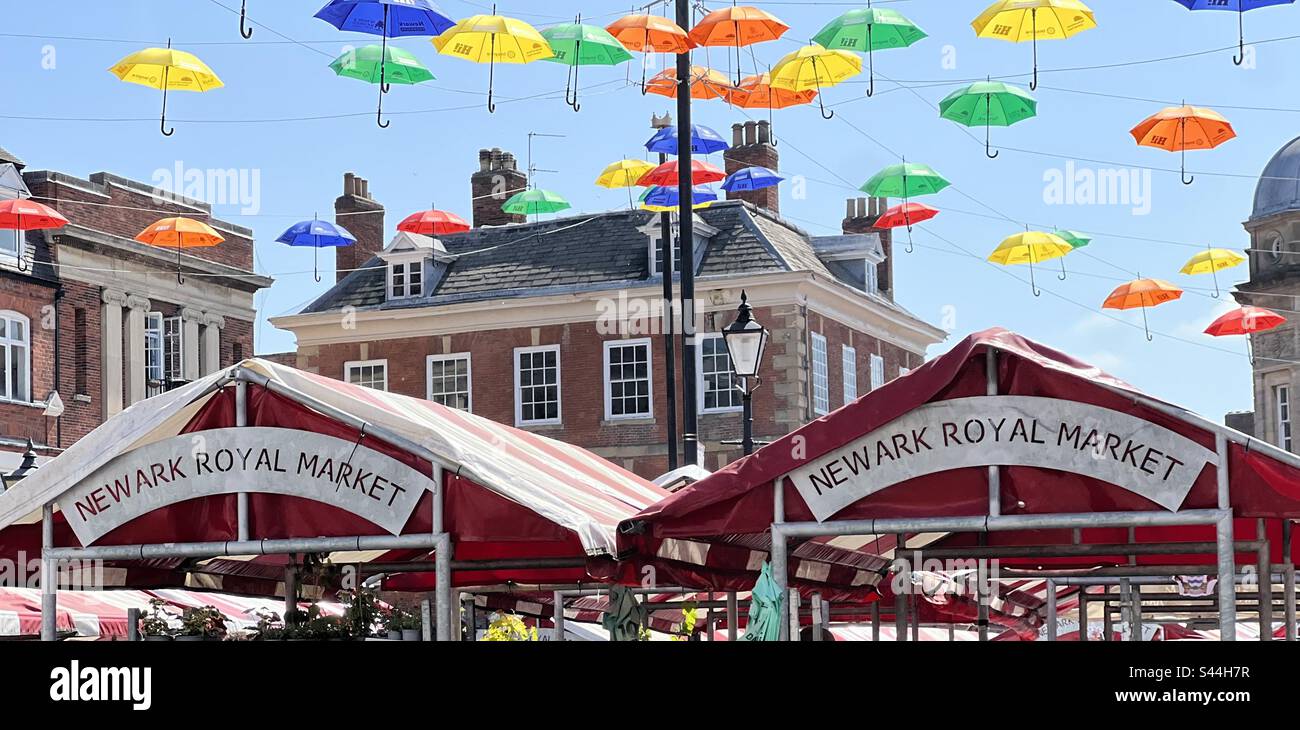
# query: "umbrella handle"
[162,123]
[1240,58]
[820,103]
[383,56]
[1214,274]
[987,149]
[379,112]
[179,279]
[871,66]
[910,248]
[1182,163]
[244,30]
[1032,284]
[1146,327]
[1061,275]
[577,48]
[1033,15]
[315,262]
[492,67]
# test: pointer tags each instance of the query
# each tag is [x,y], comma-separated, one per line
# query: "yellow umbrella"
[1211,261]
[1030,247]
[814,67]
[166,69]
[1021,20]
[624,174]
[493,39]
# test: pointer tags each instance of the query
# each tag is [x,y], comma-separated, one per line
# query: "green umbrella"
[905,181]
[534,201]
[576,44]
[764,609]
[870,29]
[1074,238]
[625,616]
[397,67]
[988,104]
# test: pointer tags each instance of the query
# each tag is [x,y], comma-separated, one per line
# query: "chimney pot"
[737,134]
[764,132]
[349,183]
[850,208]
[751,132]
[484,159]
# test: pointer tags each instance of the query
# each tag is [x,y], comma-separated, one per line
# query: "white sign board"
[1007,430]
[256,459]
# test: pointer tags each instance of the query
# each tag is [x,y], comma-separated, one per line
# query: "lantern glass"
[745,345]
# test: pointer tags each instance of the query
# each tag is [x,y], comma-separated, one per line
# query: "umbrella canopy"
[535,201]
[1029,20]
[988,104]
[623,174]
[1244,321]
[1142,294]
[166,69]
[1182,128]
[381,65]
[17,214]
[1030,247]
[737,26]
[907,214]
[387,18]
[493,39]
[433,223]
[650,33]
[317,234]
[870,30]
[577,44]
[179,233]
[706,83]
[669,174]
[756,92]
[750,178]
[1074,238]
[1240,7]
[764,609]
[906,180]
[704,141]
[815,67]
[1211,261]
[667,199]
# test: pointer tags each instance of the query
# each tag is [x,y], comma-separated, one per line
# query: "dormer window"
[415,265]
[406,279]
[657,241]
[655,248]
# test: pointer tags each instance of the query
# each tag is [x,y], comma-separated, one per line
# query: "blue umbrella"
[1238,6]
[317,234]
[750,178]
[662,196]
[704,141]
[386,18]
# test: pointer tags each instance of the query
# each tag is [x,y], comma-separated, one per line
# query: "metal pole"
[1264,588]
[557,616]
[132,624]
[442,558]
[427,621]
[1135,612]
[733,616]
[241,419]
[686,232]
[747,419]
[49,578]
[817,617]
[794,614]
[670,346]
[900,593]
[1083,614]
[1227,559]
[1051,610]
[982,593]
[875,620]
[779,567]
[913,598]
[1288,580]
[1107,626]
[995,473]
[290,589]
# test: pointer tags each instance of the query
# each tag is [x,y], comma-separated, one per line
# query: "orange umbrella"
[1140,294]
[1182,128]
[649,34]
[667,174]
[706,83]
[179,233]
[756,92]
[736,27]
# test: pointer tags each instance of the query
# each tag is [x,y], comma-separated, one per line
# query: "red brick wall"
[837,336]
[751,146]
[34,301]
[81,362]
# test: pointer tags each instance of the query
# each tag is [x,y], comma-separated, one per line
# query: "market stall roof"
[738,499]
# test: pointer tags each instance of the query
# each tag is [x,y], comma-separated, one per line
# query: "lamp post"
[746,339]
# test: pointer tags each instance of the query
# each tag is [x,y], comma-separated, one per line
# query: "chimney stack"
[860,217]
[363,218]
[752,147]
[497,180]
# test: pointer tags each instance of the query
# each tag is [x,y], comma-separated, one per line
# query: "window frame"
[608,345]
[350,364]
[416,265]
[469,377]
[8,343]
[877,364]
[559,387]
[1282,412]
[825,374]
[849,364]
[701,390]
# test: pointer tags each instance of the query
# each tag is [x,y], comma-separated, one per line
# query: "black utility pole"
[670,349]
[686,233]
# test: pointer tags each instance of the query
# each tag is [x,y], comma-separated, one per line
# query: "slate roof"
[584,252]
[7,156]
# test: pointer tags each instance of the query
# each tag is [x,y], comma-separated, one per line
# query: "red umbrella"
[28,215]
[907,214]
[667,174]
[1243,321]
[433,223]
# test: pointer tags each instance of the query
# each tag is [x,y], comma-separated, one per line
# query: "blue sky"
[53,71]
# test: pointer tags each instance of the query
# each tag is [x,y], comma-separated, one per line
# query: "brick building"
[554,326]
[95,321]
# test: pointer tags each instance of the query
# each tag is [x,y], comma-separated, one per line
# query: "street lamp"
[746,339]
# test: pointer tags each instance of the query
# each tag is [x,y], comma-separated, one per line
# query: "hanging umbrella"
[756,92]
[747,179]
[907,214]
[1211,261]
[1021,20]
[1240,7]
[868,30]
[667,198]
[179,233]
[624,617]
[381,65]
[27,215]
[1030,247]
[648,34]
[1244,321]
[906,180]
[988,104]
[535,201]
[668,174]
[765,614]
[166,69]
[493,39]
[317,234]
[433,222]
[706,83]
[1141,294]
[624,174]
[735,27]
[1182,128]
[1074,238]
[704,141]
[813,67]
[575,44]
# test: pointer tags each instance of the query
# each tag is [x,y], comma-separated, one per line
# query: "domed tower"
[1274,229]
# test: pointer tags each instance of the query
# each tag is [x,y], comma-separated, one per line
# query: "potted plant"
[508,627]
[202,624]
[393,624]
[325,628]
[270,627]
[154,625]
[410,626]
[296,621]
[361,611]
